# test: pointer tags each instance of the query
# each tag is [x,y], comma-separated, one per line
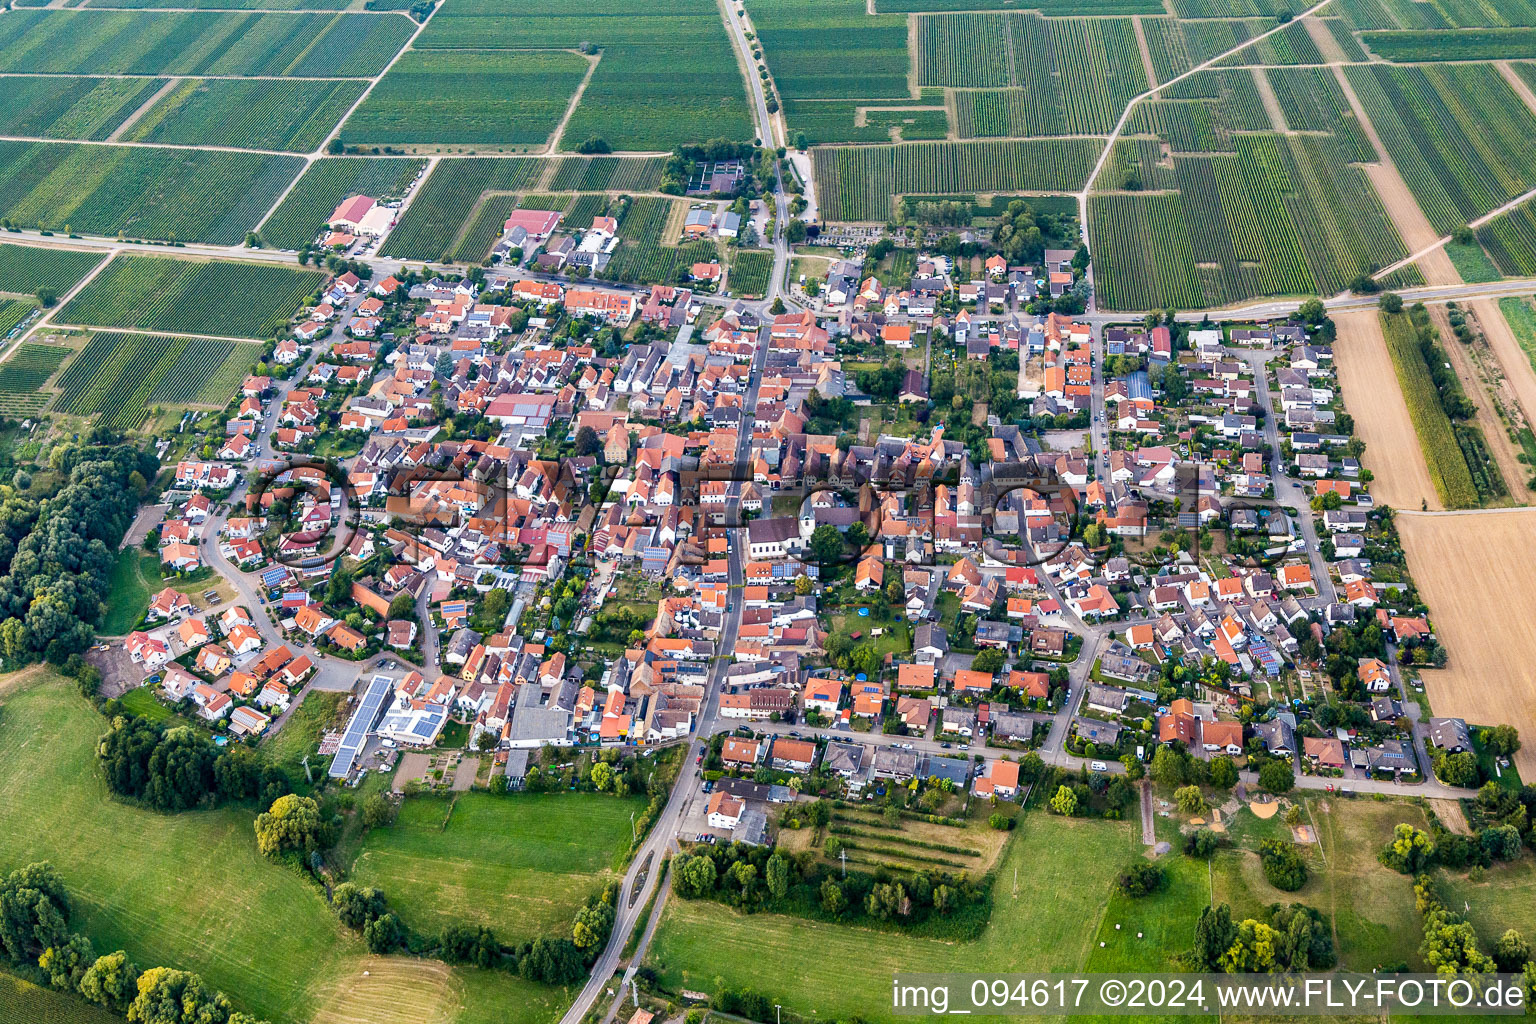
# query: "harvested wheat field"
[392,990]
[1369,383]
[1474,571]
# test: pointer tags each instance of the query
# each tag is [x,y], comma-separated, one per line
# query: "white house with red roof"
[351,212]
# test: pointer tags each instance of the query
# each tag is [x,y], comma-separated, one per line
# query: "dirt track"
[1371,394]
[1500,446]
[1474,571]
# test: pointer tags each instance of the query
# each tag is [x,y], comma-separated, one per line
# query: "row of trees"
[1281,939]
[177,768]
[35,933]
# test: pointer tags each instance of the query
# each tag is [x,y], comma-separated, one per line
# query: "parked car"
[1099,766]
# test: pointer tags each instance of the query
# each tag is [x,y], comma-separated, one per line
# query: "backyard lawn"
[519,864]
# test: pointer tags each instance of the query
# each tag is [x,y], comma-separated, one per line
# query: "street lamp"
[776,1017]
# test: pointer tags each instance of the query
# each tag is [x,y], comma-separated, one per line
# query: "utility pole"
[307,773]
[844,855]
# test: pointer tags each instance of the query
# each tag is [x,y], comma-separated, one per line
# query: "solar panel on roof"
[360,725]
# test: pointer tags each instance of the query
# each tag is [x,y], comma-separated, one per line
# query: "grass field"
[71,108]
[138,192]
[521,865]
[28,269]
[322,188]
[248,114]
[235,300]
[300,735]
[667,74]
[489,98]
[1481,599]
[123,376]
[200,43]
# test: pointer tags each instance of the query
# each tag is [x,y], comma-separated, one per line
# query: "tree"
[1214,934]
[292,823]
[832,899]
[777,308]
[1282,865]
[378,811]
[594,144]
[693,876]
[34,912]
[384,934]
[1392,302]
[356,905]
[803,585]
[1223,772]
[777,876]
[602,776]
[1169,767]
[1276,777]
[826,545]
[587,441]
[169,996]
[402,606]
[1201,843]
[1312,312]
[1456,769]
[1189,799]
[1512,952]
[67,963]
[1502,842]
[1409,851]
[990,661]
[1141,878]
[1064,802]
[1501,740]
[112,981]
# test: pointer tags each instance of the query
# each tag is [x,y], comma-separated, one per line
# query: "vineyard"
[1462,140]
[1478,44]
[1291,45]
[750,272]
[1313,102]
[221,5]
[71,108]
[858,183]
[248,114]
[1285,215]
[1511,241]
[200,43]
[469,98]
[667,75]
[13,312]
[322,188]
[607,173]
[121,376]
[832,49]
[1442,454]
[1059,8]
[1052,77]
[232,300]
[483,231]
[22,1002]
[446,200]
[28,269]
[641,258]
[164,194]
[23,376]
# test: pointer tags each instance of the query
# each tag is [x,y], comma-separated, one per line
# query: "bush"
[1000,821]
[1201,843]
[1410,850]
[1283,865]
[1142,878]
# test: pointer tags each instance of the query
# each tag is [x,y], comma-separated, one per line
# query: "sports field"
[1471,572]
[521,865]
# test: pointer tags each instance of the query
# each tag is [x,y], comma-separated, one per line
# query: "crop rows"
[165,194]
[324,185]
[1188,126]
[832,49]
[1470,44]
[667,75]
[247,114]
[1442,455]
[1342,34]
[1480,13]
[13,312]
[1072,76]
[1511,241]
[1236,8]
[1165,44]
[1313,102]
[484,229]
[1142,251]
[469,98]
[1291,45]
[444,202]
[120,376]
[199,43]
[233,300]
[28,269]
[584,209]
[220,5]
[1462,140]
[858,183]
[608,173]
[1203,40]
[1239,107]
[750,271]
[1050,8]
[1392,14]
[22,1002]
[51,107]
[23,375]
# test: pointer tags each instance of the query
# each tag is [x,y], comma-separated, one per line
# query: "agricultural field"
[29,269]
[27,369]
[221,5]
[120,377]
[641,257]
[1201,114]
[667,74]
[224,299]
[1478,44]
[520,864]
[1293,44]
[200,43]
[249,114]
[139,192]
[1312,101]
[1286,216]
[482,98]
[1461,564]
[832,50]
[13,312]
[1510,241]
[751,270]
[485,227]
[819,122]
[859,183]
[1053,76]
[51,107]
[324,185]
[1462,139]
[444,203]
[606,173]
[1056,8]
[1447,465]
[22,1002]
